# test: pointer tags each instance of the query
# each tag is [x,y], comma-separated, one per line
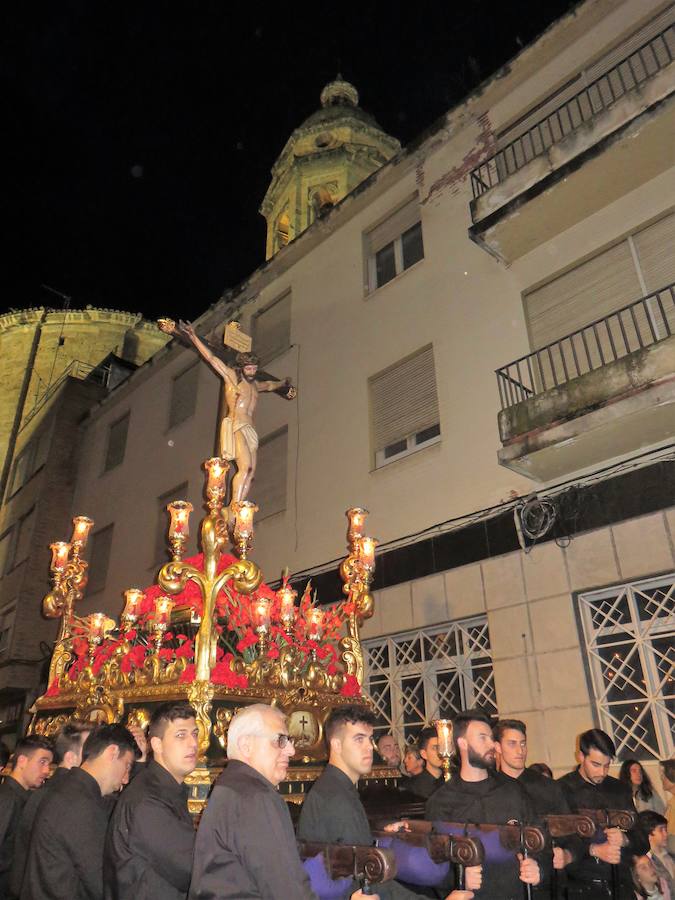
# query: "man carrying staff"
[591,786]
[479,794]
[333,811]
[245,844]
[238,439]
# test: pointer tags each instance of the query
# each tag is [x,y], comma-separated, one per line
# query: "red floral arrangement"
[236,628]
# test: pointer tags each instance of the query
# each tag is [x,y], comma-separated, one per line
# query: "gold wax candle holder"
[179,526]
[445,746]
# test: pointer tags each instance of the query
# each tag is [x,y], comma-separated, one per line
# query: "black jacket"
[151,836]
[423,785]
[245,845]
[611,794]
[497,800]
[65,860]
[333,812]
[13,798]
[25,830]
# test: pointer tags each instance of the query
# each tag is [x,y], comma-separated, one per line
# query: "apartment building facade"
[482,336]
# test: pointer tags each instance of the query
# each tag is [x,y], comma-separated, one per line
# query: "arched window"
[283,230]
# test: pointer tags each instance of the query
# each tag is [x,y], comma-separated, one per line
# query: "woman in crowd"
[644,795]
[648,885]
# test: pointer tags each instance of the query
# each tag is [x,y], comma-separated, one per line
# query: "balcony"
[594,395]
[593,147]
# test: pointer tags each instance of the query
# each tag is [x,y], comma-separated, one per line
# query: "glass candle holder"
[444,732]
[244,510]
[287,596]
[216,469]
[315,624]
[133,600]
[163,607]
[261,613]
[179,510]
[96,623]
[357,521]
[60,555]
[367,547]
[82,525]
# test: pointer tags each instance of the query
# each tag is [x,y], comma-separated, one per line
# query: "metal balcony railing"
[638,67]
[75,369]
[647,321]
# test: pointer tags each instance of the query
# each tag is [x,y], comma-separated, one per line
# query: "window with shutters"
[99,558]
[269,486]
[184,395]
[639,265]
[31,458]
[404,407]
[6,545]
[160,550]
[117,443]
[272,329]
[394,245]
[7,617]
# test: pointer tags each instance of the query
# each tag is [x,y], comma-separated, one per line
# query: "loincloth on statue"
[228,430]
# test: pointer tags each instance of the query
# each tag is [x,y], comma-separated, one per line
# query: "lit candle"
[96,623]
[81,528]
[261,613]
[287,596]
[163,607]
[357,520]
[60,553]
[217,471]
[244,511]
[444,732]
[133,597]
[315,624]
[179,511]
[367,551]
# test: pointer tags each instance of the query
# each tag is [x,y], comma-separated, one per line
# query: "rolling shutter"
[272,329]
[394,226]
[404,399]
[269,485]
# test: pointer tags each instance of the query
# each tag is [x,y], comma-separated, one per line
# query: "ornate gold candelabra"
[444,732]
[69,579]
[242,529]
[356,572]
[174,576]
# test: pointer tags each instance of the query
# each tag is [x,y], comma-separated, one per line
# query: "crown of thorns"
[246,359]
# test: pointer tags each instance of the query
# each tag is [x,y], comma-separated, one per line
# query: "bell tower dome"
[332,152]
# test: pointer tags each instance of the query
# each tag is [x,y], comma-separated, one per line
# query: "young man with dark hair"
[652,827]
[68,745]
[591,787]
[477,793]
[65,860]
[31,760]
[431,778]
[333,811]
[150,840]
[546,795]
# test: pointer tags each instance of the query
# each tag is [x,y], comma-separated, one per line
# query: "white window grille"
[419,676]
[629,633]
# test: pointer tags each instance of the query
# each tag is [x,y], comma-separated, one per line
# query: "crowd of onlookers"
[101,812]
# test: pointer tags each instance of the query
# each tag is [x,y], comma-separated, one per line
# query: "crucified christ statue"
[238,439]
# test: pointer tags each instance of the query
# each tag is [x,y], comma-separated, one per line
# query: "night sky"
[139,138]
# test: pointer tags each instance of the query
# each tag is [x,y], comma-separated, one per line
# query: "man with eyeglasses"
[245,844]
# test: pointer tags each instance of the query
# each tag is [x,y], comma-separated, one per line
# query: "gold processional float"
[210,631]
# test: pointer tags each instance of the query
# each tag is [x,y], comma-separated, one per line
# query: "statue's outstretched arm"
[208,355]
[284,388]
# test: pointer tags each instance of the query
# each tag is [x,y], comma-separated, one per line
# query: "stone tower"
[332,152]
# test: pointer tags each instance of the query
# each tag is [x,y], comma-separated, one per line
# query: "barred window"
[629,634]
[419,676]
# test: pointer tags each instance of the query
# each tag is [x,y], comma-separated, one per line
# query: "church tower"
[332,152]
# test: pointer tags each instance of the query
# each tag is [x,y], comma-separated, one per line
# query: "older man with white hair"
[245,844]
